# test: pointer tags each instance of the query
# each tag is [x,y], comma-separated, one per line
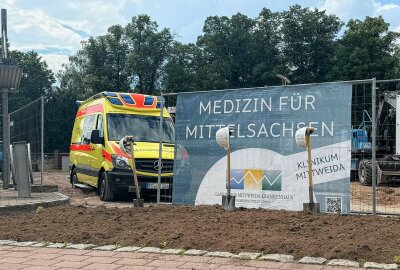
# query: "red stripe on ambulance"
[89,110]
[80,147]
[106,155]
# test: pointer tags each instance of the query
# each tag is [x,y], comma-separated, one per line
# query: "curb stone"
[56,245]
[128,249]
[171,251]
[23,244]
[247,256]
[7,242]
[150,250]
[195,252]
[39,245]
[341,262]
[374,265]
[106,248]
[80,246]
[278,258]
[219,254]
[312,260]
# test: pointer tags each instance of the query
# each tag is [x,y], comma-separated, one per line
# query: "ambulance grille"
[150,165]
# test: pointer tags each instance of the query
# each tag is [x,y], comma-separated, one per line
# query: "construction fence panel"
[366,196]
[26,125]
[268,169]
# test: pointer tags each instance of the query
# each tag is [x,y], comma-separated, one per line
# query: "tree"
[268,55]
[182,68]
[105,63]
[37,79]
[309,43]
[148,51]
[228,49]
[367,49]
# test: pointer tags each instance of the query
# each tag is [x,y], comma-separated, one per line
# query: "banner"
[268,169]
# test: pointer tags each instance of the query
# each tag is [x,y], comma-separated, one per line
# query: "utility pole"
[10,77]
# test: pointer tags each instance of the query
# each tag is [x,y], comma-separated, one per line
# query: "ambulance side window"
[88,124]
[100,125]
[77,132]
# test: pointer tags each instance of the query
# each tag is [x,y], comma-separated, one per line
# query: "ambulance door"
[85,174]
[96,157]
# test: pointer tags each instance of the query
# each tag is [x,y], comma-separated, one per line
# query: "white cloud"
[55,61]
[387,7]
[350,9]
[359,9]
[55,28]
[34,27]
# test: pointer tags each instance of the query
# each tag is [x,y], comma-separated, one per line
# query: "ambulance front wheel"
[105,192]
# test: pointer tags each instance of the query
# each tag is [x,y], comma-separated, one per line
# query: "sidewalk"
[67,259]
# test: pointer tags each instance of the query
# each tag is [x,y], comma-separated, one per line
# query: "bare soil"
[388,197]
[362,238]
[89,220]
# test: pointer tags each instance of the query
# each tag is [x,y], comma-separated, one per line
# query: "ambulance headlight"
[120,162]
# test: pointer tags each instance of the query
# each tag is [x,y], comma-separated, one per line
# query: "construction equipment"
[387,142]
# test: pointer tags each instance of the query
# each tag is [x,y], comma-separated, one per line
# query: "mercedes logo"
[157,164]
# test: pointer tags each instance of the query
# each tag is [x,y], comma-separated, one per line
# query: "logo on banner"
[256,179]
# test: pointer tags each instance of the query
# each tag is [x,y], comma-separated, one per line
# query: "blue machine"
[359,146]
[359,141]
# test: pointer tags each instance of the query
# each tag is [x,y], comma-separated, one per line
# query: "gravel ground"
[81,196]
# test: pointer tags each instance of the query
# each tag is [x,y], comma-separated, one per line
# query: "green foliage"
[182,68]
[397,259]
[148,49]
[268,56]
[163,244]
[232,52]
[367,49]
[228,47]
[308,43]
[37,79]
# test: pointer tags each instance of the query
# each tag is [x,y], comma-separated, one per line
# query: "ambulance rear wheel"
[105,192]
[74,178]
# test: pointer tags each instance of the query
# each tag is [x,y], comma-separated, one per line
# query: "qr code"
[333,205]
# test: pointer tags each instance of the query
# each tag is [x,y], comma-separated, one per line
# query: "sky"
[55,28]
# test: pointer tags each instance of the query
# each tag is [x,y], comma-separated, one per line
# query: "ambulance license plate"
[154,186]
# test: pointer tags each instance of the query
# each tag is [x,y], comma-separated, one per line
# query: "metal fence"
[27,125]
[375,168]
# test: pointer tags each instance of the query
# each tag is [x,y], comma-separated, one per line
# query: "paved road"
[68,259]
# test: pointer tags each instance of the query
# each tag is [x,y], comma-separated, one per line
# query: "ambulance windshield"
[144,128]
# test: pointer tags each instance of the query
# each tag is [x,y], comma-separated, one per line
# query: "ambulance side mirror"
[95,137]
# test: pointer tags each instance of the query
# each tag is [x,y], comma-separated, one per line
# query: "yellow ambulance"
[95,157]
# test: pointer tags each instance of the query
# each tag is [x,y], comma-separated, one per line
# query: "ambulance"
[96,159]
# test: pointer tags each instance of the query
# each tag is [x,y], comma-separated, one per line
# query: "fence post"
[55,159]
[373,137]
[160,149]
[42,140]
[6,140]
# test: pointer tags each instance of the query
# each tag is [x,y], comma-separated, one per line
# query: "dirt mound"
[210,228]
